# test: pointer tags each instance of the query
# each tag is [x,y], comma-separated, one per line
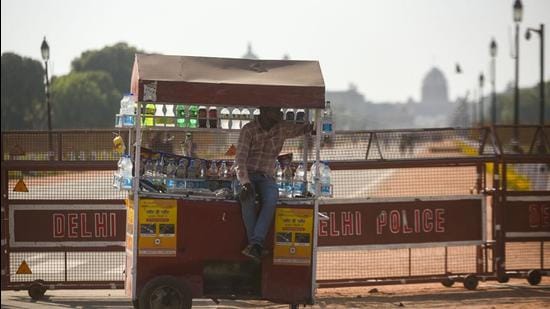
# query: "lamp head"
[45,50]
[527,35]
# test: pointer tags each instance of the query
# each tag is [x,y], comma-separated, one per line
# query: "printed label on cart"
[157,227]
[293,236]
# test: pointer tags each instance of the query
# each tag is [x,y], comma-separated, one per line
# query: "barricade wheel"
[534,276]
[36,291]
[165,292]
[470,282]
[504,278]
[448,282]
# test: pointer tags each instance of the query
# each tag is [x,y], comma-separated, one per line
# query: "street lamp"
[518,15]
[45,50]
[481,83]
[493,53]
[541,86]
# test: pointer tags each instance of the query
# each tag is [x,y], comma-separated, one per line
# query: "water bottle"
[159,168]
[312,177]
[325,181]
[224,118]
[287,181]
[298,183]
[213,117]
[202,169]
[193,115]
[256,113]
[127,110]
[149,169]
[327,120]
[279,178]
[245,116]
[180,116]
[235,119]
[126,173]
[192,169]
[171,169]
[117,179]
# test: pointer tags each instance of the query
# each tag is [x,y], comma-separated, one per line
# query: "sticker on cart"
[157,227]
[293,236]
[150,92]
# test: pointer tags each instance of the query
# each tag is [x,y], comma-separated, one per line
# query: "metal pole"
[542,99]
[50,142]
[516,88]
[493,94]
[481,117]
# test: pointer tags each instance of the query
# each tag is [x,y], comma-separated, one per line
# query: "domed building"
[434,88]
[434,108]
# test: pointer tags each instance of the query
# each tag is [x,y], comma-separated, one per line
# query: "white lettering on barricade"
[74,225]
[350,224]
[423,221]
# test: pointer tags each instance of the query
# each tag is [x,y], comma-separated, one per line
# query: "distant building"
[249,53]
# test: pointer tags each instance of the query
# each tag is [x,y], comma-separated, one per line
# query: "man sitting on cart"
[260,142]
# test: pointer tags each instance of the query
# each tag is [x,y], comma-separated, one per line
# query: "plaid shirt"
[258,149]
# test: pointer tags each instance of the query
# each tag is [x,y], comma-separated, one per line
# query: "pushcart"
[182,246]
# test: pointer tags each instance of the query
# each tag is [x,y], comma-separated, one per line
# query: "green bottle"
[193,115]
[180,116]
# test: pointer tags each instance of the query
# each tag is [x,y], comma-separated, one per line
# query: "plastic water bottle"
[325,181]
[192,169]
[126,173]
[279,178]
[327,120]
[193,115]
[235,119]
[298,185]
[287,181]
[213,117]
[117,175]
[224,118]
[181,169]
[245,116]
[180,116]
[312,176]
[149,169]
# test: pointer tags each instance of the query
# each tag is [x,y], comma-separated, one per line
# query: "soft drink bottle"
[213,170]
[235,119]
[213,117]
[289,115]
[245,116]
[256,113]
[193,115]
[202,117]
[224,118]
[150,110]
[300,116]
[180,116]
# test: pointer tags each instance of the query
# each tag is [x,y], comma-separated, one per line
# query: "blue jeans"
[257,225]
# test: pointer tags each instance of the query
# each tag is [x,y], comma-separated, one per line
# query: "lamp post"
[541,86]
[493,53]
[481,83]
[518,15]
[45,50]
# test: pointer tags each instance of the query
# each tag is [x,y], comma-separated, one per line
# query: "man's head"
[269,116]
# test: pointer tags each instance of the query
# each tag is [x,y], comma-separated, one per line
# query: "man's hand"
[247,192]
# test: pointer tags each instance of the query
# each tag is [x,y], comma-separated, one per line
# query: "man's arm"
[241,158]
[294,129]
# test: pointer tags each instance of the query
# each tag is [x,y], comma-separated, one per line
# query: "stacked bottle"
[299,182]
[126,178]
[127,110]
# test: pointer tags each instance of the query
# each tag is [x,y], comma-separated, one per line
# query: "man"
[260,142]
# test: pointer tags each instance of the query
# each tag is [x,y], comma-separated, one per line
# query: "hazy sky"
[385,47]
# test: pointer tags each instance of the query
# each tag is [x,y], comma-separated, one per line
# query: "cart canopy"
[228,81]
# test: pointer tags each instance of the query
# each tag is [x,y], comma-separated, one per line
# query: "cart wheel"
[504,278]
[37,290]
[447,282]
[534,276]
[165,292]
[470,282]
[293,306]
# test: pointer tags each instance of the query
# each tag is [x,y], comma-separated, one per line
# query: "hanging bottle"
[202,117]
[235,119]
[169,117]
[193,116]
[224,118]
[300,116]
[213,117]
[289,115]
[180,116]
[160,113]
[245,117]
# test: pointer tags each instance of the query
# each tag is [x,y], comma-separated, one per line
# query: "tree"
[23,98]
[84,100]
[117,60]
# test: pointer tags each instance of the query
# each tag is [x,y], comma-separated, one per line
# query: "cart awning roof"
[228,81]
